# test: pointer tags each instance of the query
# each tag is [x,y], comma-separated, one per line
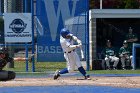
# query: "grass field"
[39,66]
[46,67]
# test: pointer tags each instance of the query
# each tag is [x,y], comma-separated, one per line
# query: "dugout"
[111,24]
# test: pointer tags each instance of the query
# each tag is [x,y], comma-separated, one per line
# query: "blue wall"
[52,16]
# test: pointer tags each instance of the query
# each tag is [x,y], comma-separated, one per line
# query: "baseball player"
[131,38]
[110,56]
[67,43]
[5,75]
[125,55]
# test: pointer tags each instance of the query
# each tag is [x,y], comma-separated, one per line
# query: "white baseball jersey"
[70,55]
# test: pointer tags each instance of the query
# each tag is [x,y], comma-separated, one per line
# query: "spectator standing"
[131,38]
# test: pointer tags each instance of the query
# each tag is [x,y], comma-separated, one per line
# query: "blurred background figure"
[125,55]
[110,55]
[131,38]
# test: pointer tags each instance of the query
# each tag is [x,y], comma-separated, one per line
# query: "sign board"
[52,16]
[18,27]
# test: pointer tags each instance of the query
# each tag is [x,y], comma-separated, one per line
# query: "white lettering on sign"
[49,49]
[62,11]
[17,27]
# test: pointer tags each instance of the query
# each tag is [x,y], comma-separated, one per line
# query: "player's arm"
[77,40]
[133,40]
[120,52]
[72,47]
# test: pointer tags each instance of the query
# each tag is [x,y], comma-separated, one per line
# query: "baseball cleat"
[87,77]
[56,75]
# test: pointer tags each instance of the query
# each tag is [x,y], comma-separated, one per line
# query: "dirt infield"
[128,82]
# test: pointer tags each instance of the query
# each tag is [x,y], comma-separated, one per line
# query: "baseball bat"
[82,54]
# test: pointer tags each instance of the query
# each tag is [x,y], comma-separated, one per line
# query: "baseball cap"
[125,42]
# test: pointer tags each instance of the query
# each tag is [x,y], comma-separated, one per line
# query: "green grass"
[115,71]
[47,67]
[39,66]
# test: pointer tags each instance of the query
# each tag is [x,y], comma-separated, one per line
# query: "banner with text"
[18,27]
[52,16]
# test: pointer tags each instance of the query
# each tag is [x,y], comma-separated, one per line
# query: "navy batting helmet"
[64,32]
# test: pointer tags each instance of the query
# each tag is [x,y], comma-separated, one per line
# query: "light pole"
[101,4]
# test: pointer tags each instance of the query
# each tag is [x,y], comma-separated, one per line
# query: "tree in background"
[131,4]
[91,4]
[118,4]
[115,4]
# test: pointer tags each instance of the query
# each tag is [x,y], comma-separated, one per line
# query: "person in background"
[5,75]
[125,55]
[110,55]
[131,38]
[4,59]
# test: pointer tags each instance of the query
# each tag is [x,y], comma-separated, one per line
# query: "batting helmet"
[64,32]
